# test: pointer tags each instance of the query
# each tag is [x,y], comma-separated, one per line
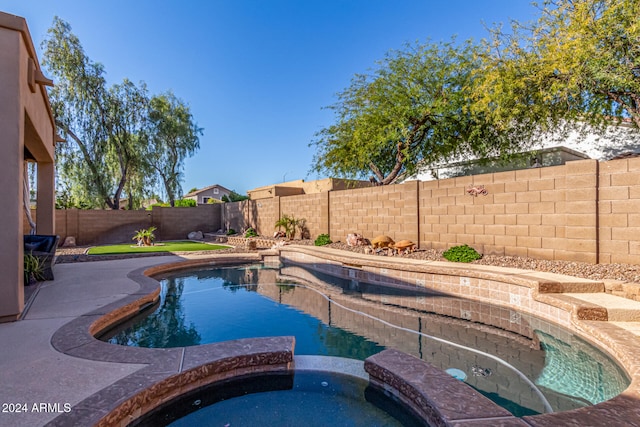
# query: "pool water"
[524,364]
[211,307]
[302,399]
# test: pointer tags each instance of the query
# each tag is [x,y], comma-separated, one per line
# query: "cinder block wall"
[619,208]
[313,208]
[177,223]
[545,213]
[98,227]
[258,214]
[92,227]
[581,211]
[391,210]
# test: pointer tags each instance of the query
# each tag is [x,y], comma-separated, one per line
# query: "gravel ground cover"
[623,272]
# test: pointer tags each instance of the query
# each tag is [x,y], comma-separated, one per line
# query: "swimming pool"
[523,363]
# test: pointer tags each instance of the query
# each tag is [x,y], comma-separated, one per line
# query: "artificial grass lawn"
[131,248]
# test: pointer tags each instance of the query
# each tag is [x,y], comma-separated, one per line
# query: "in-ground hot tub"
[309,398]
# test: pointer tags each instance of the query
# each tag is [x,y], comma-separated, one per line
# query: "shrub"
[180,203]
[462,253]
[185,203]
[33,269]
[322,240]
[250,233]
[145,236]
[231,232]
[158,205]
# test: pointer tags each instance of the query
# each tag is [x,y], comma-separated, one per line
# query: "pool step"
[618,309]
[629,290]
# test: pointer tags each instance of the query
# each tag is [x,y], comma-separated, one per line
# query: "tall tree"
[126,158]
[99,122]
[414,110]
[173,136]
[578,63]
[142,178]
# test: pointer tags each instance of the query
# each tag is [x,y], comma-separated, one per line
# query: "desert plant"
[285,222]
[322,239]
[250,233]
[145,236]
[290,225]
[231,232]
[300,224]
[33,268]
[463,253]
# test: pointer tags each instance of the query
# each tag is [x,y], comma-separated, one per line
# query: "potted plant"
[33,269]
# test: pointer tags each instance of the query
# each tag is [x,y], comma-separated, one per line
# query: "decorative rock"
[69,242]
[355,239]
[382,241]
[195,235]
[404,246]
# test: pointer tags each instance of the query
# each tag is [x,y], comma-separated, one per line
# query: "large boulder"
[195,235]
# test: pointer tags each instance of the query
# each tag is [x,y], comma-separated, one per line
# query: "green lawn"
[131,248]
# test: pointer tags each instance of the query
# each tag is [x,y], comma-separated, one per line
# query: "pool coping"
[170,372]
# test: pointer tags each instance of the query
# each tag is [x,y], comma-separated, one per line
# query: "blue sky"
[256,74]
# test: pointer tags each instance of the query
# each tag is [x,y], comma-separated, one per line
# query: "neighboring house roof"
[195,193]
[552,156]
[582,142]
[299,186]
[628,155]
[614,141]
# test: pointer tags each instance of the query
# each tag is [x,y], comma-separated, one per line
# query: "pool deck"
[40,383]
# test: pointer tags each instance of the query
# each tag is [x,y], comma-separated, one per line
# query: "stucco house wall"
[28,133]
[298,187]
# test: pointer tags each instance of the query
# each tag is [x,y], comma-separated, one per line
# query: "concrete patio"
[32,371]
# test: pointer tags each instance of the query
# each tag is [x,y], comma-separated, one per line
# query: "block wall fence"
[582,211]
[95,227]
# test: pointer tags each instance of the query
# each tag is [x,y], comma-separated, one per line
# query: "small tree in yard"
[145,236]
[291,225]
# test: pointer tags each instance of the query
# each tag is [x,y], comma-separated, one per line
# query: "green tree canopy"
[414,110]
[173,136]
[234,197]
[578,63]
[100,123]
[120,142]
